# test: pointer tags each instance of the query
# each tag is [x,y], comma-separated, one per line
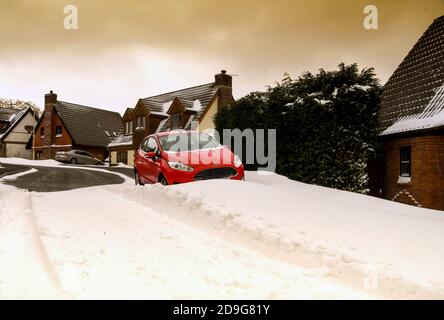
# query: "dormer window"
[176,120]
[128,127]
[140,122]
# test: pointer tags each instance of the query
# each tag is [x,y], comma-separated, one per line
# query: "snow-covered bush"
[326,124]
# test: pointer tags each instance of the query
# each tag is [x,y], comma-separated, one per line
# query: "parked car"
[77,157]
[184,156]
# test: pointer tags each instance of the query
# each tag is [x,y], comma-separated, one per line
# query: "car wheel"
[98,163]
[163,181]
[73,161]
[137,179]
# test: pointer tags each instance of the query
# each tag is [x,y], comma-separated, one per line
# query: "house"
[190,109]
[65,126]
[411,123]
[16,127]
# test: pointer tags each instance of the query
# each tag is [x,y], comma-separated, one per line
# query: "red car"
[184,156]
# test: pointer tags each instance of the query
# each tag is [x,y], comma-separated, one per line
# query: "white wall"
[19,133]
[207,121]
[113,158]
[130,158]
[16,140]
[17,150]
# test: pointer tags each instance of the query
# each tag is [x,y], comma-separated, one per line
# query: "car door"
[84,159]
[141,162]
[78,155]
[90,159]
[153,164]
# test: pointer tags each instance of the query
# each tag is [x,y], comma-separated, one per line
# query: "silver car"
[77,157]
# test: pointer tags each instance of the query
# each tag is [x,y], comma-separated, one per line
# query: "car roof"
[166,133]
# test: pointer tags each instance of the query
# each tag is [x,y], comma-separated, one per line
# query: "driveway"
[49,179]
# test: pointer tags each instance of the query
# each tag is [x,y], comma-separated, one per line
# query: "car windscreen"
[188,141]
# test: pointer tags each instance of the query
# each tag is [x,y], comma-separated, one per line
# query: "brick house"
[65,126]
[412,124]
[190,109]
[16,127]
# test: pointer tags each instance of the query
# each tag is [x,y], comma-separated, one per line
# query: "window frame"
[179,120]
[405,161]
[61,131]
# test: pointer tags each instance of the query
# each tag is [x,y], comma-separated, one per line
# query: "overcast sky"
[125,50]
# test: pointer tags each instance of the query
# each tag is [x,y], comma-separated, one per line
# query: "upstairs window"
[175,120]
[42,132]
[128,127]
[58,131]
[405,161]
[140,122]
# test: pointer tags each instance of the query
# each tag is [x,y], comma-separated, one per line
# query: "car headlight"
[180,166]
[237,161]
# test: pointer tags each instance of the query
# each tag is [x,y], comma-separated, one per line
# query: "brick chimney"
[223,82]
[50,101]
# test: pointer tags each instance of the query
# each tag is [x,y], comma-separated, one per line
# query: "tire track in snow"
[24,269]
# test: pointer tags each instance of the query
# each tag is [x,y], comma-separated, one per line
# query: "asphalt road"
[49,179]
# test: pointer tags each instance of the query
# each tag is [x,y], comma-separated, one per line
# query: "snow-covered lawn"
[267,237]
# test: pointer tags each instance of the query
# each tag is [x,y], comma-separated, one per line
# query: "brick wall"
[43,143]
[426,187]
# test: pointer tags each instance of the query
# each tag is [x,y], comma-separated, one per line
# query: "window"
[140,122]
[175,120]
[187,141]
[405,161]
[42,132]
[58,131]
[38,155]
[151,145]
[128,127]
[122,157]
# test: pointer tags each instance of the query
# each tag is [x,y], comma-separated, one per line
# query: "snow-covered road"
[268,237]
[95,243]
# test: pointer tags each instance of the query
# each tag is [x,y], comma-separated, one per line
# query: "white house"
[15,131]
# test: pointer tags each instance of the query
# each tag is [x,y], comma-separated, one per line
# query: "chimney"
[223,79]
[47,123]
[50,98]
[223,82]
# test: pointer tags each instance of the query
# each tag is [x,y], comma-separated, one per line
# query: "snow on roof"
[431,117]
[122,140]
[414,84]
[167,105]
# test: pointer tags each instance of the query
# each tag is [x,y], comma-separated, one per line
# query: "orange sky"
[124,50]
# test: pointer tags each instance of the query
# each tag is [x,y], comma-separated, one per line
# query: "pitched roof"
[13,116]
[89,126]
[204,93]
[413,97]
[122,140]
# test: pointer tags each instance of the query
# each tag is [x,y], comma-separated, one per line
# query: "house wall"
[49,145]
[206,123]
[17,150]
[113,157]
[19,134]
[130,156]
[15,141]
[426,187]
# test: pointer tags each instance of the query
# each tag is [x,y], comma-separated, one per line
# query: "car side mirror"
[150,154]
